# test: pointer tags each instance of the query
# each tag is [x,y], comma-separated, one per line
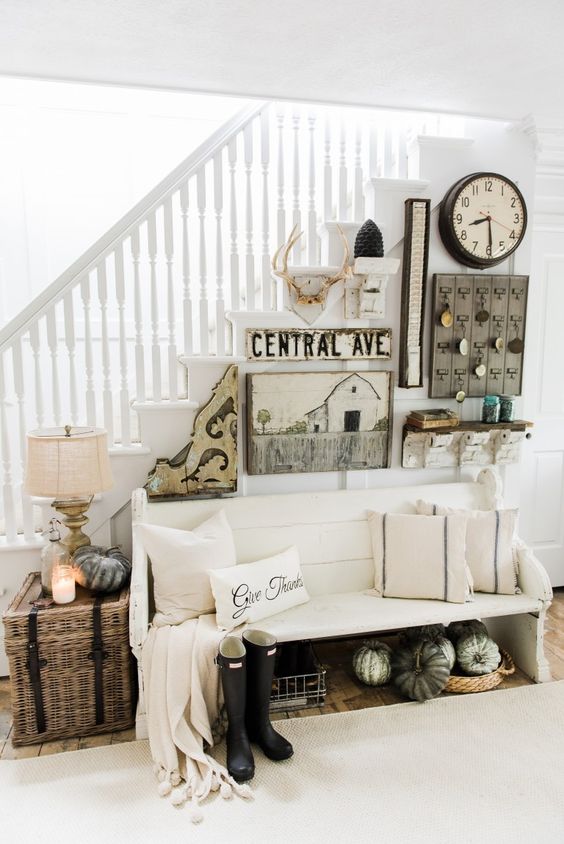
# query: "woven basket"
[64,637]
[484,682]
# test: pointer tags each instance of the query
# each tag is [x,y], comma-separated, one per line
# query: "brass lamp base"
[73,510]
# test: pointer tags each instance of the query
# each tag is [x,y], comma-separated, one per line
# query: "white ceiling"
[495,58]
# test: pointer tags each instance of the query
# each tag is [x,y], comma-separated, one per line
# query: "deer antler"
[324,283]
[287,247]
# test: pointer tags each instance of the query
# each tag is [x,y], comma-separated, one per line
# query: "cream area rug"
[478,768]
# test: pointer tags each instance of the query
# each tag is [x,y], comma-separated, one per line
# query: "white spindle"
[35,343]
[70,342]
[342,212]
[387,153]
[171,312]
[88,353]
[201,190]
[358,214]
[372,150]
[234,257]
[327,172]
[402,150]
[281,233]
[52,342]
[18,372]
[311,214]
[296,211]
[138,317]
[155,344]
[186,287]
[124,387]
[107,399]
[249,256]
[7,485]
[268,290]
[218,207]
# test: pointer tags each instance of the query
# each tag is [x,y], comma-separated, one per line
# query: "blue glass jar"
[507,408]
[490,410]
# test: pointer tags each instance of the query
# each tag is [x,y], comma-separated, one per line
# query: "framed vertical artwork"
[318,421]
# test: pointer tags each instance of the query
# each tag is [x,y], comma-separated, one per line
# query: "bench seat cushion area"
[358,613]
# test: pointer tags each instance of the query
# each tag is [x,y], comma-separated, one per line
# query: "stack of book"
[435,417]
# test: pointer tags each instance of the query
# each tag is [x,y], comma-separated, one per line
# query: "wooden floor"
[344,693]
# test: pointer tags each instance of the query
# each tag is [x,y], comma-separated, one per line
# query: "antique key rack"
[478,335]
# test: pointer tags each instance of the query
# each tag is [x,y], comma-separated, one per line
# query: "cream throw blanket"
[182,689]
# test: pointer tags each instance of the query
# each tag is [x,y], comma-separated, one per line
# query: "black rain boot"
[232,662]
[261,651]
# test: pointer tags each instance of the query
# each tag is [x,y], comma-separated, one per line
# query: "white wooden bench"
[331,532]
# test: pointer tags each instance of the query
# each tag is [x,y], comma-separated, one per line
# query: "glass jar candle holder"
[507,408]
[62,584]
[490,410]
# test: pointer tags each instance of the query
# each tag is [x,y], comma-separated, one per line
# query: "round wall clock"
[482,219]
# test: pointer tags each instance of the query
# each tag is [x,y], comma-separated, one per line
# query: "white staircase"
[134,334]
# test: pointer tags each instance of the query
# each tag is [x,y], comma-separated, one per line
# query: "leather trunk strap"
[98,655]
[34,665]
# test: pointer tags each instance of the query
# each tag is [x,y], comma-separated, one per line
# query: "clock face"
[483,219]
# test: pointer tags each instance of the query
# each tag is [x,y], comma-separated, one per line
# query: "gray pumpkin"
[99,569]
[420,670]
[447,648]
[477,654]
[371,662]
[430,632]
[457,629]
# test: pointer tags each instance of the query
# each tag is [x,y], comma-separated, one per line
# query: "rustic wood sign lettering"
[264,344]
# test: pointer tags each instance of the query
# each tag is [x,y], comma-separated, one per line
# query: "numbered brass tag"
[463,346]
[515,346]
[460,396]
[480,370]
[446,316]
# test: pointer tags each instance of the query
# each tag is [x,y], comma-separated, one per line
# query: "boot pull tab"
[271,652]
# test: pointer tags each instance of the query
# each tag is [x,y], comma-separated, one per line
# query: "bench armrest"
[533,579]
[139,596]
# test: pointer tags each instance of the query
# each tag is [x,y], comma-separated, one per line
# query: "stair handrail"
[104,245]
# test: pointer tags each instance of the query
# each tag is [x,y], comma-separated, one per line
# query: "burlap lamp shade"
[69,465]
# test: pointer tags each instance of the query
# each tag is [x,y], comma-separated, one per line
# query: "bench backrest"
[329,529]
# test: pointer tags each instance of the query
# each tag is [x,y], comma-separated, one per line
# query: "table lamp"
[69,465]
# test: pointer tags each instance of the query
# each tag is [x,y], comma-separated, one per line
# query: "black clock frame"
[446,226]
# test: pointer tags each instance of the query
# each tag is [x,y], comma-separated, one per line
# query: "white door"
[542,487]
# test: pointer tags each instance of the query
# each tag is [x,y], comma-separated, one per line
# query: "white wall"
[73,159]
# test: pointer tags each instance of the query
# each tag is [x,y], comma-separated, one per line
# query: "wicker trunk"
[68,699]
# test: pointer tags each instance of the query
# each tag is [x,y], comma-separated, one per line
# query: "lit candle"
[63,585]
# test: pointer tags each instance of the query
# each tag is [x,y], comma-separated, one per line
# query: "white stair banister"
[125,423]
[171,311]
[135,242]
[18,373]
[186,284]
[312,212]
[358,212]
[234,237]
[296,210]
[70,342]
[7,481]
[155,339]
[218,207]
[268,292]
[35,343]
[107,398]
[90,394]
[281,233]
[249,254]
[52,342]
[327,172]
[204,325]
[342,208]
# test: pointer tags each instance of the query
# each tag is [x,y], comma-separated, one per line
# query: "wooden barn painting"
[318,421]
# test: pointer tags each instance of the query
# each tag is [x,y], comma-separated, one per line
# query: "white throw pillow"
[489,546]
[181,561]
[251,591]
[419,557]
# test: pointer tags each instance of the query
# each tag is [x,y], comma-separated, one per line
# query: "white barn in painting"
[350,406]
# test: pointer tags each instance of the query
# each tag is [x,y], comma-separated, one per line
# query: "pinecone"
[369,242]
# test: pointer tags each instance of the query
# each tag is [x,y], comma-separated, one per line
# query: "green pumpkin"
[457,629]
[477,654]
[420,670]
[100,570]
[372,663]
[429,632]
[447,648]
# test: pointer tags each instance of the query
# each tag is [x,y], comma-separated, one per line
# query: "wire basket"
[300,691]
